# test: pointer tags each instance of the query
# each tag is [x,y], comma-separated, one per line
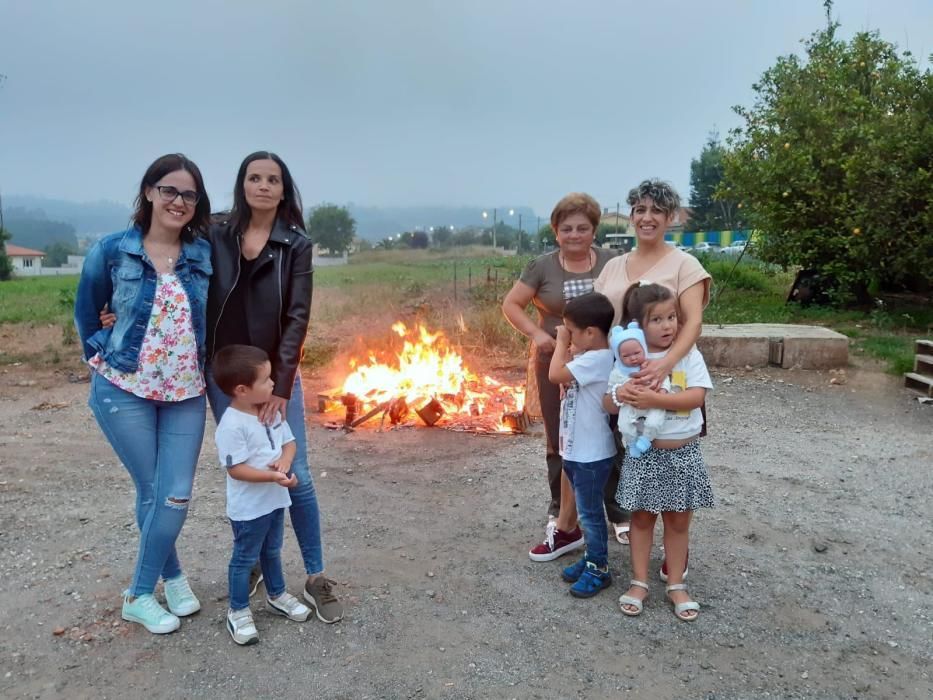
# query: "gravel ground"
[814,571]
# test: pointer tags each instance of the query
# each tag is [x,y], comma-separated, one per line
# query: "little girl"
[670,478]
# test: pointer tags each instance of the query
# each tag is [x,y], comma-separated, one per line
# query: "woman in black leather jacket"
[260,294]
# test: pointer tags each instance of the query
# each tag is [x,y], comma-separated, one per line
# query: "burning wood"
[428,376]
[431,412]
[516,421]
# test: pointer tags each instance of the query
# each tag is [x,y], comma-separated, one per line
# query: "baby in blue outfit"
[637,427]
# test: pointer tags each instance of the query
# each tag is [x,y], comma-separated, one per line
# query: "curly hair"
[659,192]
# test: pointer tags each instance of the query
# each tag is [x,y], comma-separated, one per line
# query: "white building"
[26,261]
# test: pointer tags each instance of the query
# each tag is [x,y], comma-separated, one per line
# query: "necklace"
[155,255]
[590,258]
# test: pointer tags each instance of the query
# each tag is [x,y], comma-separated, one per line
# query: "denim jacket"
[117,271]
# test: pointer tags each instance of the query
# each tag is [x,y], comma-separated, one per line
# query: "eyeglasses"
[169,194]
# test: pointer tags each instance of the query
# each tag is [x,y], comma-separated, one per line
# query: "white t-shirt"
[241,438]
[585,435]
[690,372]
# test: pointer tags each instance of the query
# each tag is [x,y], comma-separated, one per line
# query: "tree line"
[832,167]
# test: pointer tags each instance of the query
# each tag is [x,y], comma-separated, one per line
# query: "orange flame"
[426,368]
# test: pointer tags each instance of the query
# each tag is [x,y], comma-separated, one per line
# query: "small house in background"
[26,261]
[620,234]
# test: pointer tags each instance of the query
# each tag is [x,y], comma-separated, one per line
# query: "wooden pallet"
[921,379]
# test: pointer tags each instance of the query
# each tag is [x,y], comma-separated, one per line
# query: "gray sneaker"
[325,604]
[289,606]
[241,627]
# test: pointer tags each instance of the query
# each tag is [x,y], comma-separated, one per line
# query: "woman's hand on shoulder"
[274,405]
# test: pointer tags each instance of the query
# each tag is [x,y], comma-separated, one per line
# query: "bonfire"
[429,377]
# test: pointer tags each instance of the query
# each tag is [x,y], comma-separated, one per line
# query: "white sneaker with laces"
[179,597]
[241,627]
[146,611]
[289,606]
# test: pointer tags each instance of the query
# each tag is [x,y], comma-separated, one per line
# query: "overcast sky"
[404,102]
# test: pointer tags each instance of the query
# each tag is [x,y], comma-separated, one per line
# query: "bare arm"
[558,372]
[244,472]
[513,307]
[284,463]
[682,401]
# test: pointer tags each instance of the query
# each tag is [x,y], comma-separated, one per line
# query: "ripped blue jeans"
[158,443]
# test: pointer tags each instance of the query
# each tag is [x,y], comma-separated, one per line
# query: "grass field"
[37,299]
[453,290]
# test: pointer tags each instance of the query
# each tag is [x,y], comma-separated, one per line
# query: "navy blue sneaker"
[572,573]
[591,581]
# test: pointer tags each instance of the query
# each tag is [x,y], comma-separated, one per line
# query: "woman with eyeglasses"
[147,380]
[260,295]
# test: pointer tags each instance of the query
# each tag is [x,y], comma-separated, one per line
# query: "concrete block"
[750,344]
[733,351]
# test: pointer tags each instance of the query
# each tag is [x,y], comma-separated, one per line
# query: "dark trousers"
[549,396]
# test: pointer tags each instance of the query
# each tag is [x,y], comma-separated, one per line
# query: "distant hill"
[376,223]
[30,228]
[372,223]
[87,218]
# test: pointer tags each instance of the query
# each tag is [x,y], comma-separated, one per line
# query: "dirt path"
[815,571]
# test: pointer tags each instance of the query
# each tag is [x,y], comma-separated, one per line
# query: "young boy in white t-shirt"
[257,458]
[586,443]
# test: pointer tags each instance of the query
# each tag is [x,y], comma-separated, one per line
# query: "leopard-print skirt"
[665,480]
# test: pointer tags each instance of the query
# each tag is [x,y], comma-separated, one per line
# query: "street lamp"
[518,246]
[486,216]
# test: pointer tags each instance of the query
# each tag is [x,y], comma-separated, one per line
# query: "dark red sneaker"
[663,572]
[557,543]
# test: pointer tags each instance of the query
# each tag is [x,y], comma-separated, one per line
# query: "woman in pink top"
[653,205]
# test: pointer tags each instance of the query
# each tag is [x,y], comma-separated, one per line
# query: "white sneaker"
[289,606]
[146,611]
[241,627]
[179,597]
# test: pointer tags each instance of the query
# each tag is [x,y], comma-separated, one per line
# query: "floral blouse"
[168,360]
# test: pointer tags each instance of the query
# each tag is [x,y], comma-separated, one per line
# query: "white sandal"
[680,608]
[622,530]
[638,604]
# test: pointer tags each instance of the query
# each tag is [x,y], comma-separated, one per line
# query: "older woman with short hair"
[548,282]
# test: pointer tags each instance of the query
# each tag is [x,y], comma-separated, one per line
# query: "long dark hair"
[142,216]
[639,299]
[289,210]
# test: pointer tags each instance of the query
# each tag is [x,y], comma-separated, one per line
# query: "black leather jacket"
[280,296]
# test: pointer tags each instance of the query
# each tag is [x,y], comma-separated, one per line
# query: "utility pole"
[518,249]
[493,227]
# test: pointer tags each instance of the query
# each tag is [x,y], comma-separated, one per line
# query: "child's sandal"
[638,604]
[681,608]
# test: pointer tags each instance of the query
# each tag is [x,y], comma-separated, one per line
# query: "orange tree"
[833,165]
